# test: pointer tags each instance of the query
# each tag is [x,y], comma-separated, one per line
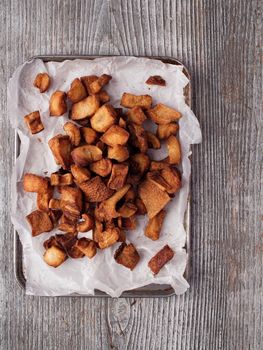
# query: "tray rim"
[167,291]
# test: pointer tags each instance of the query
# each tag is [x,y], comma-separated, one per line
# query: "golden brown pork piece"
[102,167]
[153,197]
[127,255]
[130,100]
[84,155]
[54,256]
[85,108]
[33,122]
[156,80]
[136,115]
[154,226]
[57,104]
[35,183]
[118,176]
[119,153]
[162,114]
[40,222]
[174,150]
[99,83]
[166,130]
[77,91]
[160,259]
[115,135]
[73,132]
[104,118]
[57,179]
[60,146]
[87,247]
[80,174]
[42,82]
[95,190]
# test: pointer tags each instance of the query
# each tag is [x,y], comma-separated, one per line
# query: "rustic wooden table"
[221,43]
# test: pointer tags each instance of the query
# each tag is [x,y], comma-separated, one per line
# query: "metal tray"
[151,290]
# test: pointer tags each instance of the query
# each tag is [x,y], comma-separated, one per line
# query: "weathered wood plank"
[221,43]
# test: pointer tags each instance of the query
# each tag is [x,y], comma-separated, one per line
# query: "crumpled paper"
[102,272]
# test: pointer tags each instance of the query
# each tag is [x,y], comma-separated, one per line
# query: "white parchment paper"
[102,272]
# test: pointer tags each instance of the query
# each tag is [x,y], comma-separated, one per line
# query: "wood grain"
[221,43]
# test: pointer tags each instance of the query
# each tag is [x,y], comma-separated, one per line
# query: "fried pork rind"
[42,82]
[35,183]
[127,210]
[95,190]
[127,255]
[127,223]
[43,199]
[156,80]
[54,204]
[138,137]
[141,209]
[153,197]
[57,104]
[71,201]
[67,225]
[153,141]
[103,96]
[87,224]
[108,237]
[73,132]
[87,80]
[33,122]
[63,241]
[40,222]
[71,195]
[57,179]
[158,165]
[169,178]
[106,210]
[54,256]
[160,259]
[154,226]
[84,155]
[162,114]
[118,176]
[174,150]
[157,179]
[50,242]
[99,83]
[85,108]
[119,153]
[115,135]
[77,91]
[74,251]
[66,241]
[55,216]
[60,146]
[80,174]
[129,100]
[89,135]
[102,167]
[166,130]
[139,163]
[87,247]
[104,118]
[136,115]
